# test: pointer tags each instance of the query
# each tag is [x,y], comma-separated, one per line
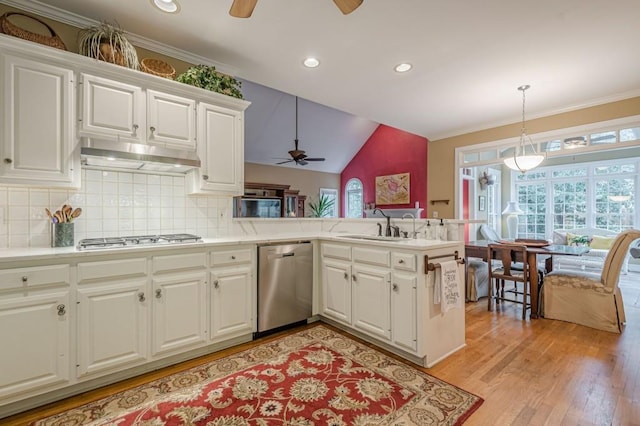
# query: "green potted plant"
[206,77]
[323,207]
[108,43]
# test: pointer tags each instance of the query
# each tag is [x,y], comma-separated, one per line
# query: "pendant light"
[521,161]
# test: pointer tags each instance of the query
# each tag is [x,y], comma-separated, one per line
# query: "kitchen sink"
[373,237]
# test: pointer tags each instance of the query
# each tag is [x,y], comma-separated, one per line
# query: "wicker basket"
[9,28]
[157,67]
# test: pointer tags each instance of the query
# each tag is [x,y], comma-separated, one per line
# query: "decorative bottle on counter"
[428,232]
[441,231]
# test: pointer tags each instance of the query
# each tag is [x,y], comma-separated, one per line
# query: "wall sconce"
[486,179]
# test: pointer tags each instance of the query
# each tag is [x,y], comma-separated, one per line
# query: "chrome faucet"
[414,233]
[387,229]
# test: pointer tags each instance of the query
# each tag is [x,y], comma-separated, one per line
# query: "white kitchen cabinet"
[221,151]
[112,109]
[171,120]
[179,314]
[336,290]
[179,311]
[112,326]
[232,297]
[231,302]
[35,353]
[113,303]
[38,136]
[371,300]
[35,326]
[404,318]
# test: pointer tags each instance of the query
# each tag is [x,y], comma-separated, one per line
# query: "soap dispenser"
[442,231]
[428,231]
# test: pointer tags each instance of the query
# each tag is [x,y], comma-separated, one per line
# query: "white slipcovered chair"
[587,298]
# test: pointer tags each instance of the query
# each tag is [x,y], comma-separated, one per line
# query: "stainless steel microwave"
[257,207]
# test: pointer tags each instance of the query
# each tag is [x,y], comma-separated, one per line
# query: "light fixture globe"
[521,161]
[524,163]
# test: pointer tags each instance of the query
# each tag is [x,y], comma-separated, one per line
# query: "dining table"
[478,249]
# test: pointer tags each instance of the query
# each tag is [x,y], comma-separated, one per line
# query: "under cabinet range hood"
[136,156]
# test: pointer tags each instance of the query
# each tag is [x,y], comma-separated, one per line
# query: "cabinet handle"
[152,129]
[395,287]
[141,297]
[205,177]
[135,130]
[346,276]
[8,161]
[25,279]
[401,261]
[216,284]
[61,309]
[158,293]
[233,258]
[353,277]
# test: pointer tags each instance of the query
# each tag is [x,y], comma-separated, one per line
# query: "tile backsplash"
[113,204]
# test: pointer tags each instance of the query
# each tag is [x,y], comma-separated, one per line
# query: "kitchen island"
[78,320]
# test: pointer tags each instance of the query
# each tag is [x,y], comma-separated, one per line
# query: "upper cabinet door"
[221,151]
[112,109]
[38,138]
[171,120]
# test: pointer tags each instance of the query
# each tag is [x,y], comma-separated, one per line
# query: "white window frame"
[332,192]
[346,196]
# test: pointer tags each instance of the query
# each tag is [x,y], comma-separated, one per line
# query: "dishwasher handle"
[288,254]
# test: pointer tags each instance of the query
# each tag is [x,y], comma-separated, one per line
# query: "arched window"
[353,198]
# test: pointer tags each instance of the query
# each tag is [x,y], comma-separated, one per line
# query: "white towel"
[446,289]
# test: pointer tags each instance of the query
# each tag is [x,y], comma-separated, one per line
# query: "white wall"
[113,204]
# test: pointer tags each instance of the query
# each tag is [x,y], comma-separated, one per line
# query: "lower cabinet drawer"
[372,256]
[34,276]
[136,267]
[231,257]
[336,251]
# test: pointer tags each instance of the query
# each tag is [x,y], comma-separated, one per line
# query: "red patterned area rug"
[313,377]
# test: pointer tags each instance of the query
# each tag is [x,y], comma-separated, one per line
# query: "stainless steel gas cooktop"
[136,240]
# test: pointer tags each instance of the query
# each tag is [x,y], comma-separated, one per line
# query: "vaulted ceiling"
[468,57]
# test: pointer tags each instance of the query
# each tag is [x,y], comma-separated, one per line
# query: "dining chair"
[502,270]
[587,298]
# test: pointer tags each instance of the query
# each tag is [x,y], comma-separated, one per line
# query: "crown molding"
[69,18]
[548,113]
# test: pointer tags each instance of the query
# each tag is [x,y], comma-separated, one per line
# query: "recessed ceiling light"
[169,6]
[404,67]
[311,62]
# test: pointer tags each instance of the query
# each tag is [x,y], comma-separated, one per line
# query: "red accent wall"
[389,151]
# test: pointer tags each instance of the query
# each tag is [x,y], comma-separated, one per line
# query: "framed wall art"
[393,189]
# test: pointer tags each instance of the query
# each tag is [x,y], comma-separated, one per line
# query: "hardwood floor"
[539,372]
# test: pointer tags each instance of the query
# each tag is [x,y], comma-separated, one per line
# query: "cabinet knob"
[233,258]
[346,276]
[61,309]
[152,130]
[8,161]
[25,279]
[395,287]
[353,277]
[205,177]
[141,297]
[135,130]
[216,284]
[401,261]
[158,293]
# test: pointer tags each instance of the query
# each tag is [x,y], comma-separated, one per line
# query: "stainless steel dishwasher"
[285,284]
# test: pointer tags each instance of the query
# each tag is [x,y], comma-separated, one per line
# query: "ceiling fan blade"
[242,8]
[285,162]
[313,159]
[302,162]
[347,6]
